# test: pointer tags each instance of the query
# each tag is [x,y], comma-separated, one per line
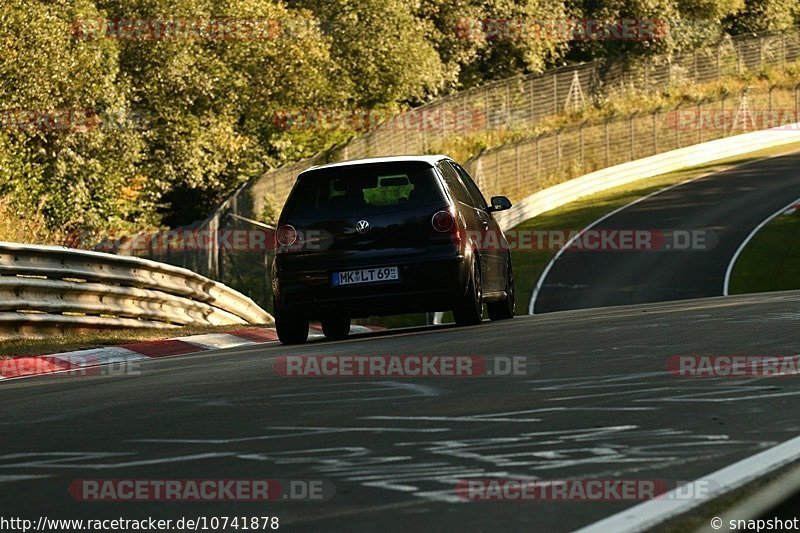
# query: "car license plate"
[365,275]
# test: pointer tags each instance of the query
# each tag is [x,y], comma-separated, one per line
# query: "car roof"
[430,159]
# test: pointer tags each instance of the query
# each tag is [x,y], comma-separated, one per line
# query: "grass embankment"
[771,260]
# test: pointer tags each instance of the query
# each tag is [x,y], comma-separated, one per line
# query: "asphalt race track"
[596,403]
[724,207]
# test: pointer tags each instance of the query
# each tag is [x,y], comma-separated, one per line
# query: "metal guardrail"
[45,290]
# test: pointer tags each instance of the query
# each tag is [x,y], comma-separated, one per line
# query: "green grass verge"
[82,341]
[771,260]
[529,265]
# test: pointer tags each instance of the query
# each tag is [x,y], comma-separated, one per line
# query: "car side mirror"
[499,203]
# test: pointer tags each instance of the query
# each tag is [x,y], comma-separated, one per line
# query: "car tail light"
[444,221]
[286,235]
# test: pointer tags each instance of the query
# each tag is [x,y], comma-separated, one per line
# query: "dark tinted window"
[369,188]
[473,189]
[454,184]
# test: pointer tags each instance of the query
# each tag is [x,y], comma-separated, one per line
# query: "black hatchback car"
[387,236]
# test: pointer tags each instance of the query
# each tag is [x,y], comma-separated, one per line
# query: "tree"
[381,51]
[212,96]
[481,41]
[58,150]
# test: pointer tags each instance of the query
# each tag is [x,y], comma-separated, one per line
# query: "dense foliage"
[111,119]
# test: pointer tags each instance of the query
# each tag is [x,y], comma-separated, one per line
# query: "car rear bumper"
[424,285]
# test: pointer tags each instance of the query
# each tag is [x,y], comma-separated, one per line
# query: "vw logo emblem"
[362,226]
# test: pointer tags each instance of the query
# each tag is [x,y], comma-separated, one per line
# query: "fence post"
[464,114]
[213,257]
[632,136]
[555,93]
[443,119]
[669,71]
[486,107]
[221,261]
[531,100]
[723,117]
[583,164]
[699,122]
[739,59]
[496,168]
[605,128]
[783,49]
[769,106]
[508,105]
[655,132]
[558,150]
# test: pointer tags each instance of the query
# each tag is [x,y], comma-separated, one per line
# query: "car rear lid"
[365,210]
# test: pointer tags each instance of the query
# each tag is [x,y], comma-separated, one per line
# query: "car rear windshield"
[365,188]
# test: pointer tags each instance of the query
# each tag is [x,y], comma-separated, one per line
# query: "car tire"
[504,309]
[336,328]
[469,310]
[291,328]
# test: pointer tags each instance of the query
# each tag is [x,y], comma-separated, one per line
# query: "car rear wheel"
[336,328]
[469,310]
[504,309]
[291,328]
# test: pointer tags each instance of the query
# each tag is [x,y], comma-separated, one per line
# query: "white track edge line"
[670,505]
[555,258]
[740,249]
[569,243]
